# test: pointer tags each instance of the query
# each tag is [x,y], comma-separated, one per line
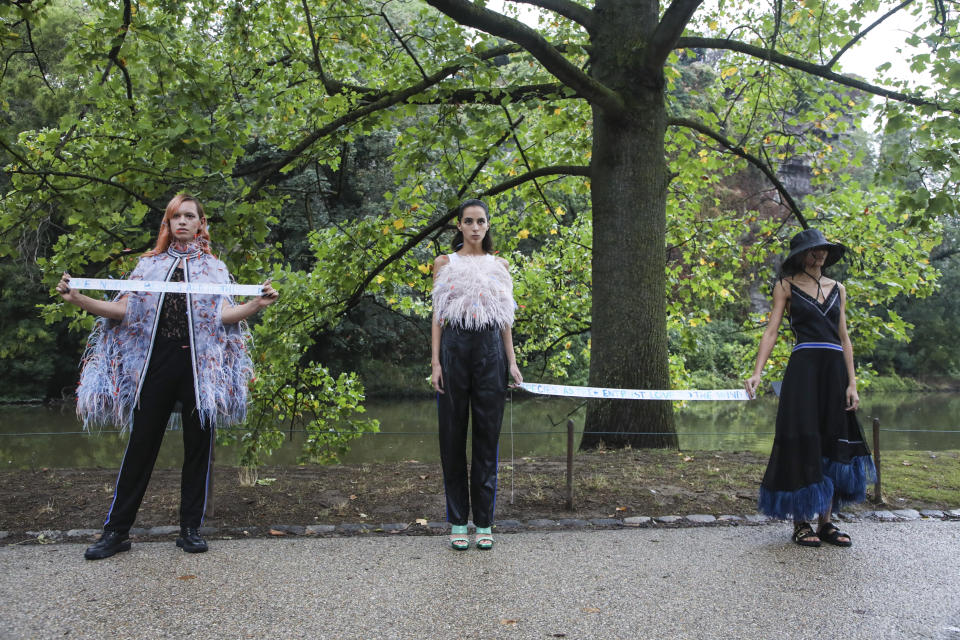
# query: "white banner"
[634,394]
[102,284]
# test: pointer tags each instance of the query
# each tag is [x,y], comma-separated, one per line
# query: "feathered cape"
[118,351]
[473,292]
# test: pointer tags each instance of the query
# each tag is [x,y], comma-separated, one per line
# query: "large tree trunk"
[629,189]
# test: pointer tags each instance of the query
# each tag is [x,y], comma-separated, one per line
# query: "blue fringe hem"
[843,483]
[801,504]
[850,479]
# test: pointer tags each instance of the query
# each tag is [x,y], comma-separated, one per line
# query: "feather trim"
[474,292]
[117,353]
[850,479]
[843,483]
[804,503]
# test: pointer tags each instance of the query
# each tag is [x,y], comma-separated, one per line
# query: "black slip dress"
[820,458]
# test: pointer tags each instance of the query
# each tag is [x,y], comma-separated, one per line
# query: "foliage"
[892,383]
[289,120]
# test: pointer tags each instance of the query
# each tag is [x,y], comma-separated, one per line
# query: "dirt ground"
[606,484]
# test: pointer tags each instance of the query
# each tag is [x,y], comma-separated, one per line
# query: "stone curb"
[503,526]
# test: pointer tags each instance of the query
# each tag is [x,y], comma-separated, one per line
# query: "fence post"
[569,465]
[877,493]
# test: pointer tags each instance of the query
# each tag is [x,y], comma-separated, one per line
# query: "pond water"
[42,436]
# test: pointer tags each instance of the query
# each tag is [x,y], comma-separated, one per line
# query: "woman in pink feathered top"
[472,349]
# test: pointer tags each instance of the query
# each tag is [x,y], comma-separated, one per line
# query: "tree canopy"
[643,163]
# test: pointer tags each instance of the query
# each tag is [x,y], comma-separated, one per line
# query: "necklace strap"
[817,280]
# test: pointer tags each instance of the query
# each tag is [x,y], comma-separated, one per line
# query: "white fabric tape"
[102,284]
[634,394]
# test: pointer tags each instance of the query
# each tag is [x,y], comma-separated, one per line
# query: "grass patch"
[930,478]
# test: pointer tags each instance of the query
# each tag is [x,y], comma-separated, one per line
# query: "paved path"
[900,580]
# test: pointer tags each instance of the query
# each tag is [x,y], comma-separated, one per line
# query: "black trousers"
[169,379]
[474,383]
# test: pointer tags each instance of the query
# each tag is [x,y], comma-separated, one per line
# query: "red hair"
[164,237]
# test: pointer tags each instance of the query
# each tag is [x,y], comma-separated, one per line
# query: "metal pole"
[877,493]
[570,465]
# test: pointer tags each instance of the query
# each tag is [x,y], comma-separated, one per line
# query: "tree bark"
[629,192]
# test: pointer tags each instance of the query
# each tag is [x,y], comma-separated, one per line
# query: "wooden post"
[569,505]
[877,493]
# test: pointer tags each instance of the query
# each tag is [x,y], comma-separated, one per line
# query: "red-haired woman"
[151,350]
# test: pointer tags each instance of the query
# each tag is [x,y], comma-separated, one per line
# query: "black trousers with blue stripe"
[474,384]
[169,379]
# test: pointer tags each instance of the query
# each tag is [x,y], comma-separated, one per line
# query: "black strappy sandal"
[829,533]
[803,534]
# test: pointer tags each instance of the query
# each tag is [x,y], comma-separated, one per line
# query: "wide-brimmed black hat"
[813,239]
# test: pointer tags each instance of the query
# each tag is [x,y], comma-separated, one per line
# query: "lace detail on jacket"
[173,314]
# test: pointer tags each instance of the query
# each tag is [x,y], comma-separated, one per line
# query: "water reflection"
[533,426]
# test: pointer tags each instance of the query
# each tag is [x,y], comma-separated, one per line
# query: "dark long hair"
[487,243]
[794,265]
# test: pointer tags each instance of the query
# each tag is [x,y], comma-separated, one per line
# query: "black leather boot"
[110,543]
[190,540]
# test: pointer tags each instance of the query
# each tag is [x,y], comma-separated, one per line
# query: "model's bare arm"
[112,309]
[781,293]
[436,332]
[853,398]
[232,314]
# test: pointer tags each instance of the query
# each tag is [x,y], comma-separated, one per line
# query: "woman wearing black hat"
[819,458]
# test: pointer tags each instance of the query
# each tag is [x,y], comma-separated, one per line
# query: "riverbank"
[607,484]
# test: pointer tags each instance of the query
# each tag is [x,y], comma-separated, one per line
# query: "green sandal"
[484,538]
[458,537]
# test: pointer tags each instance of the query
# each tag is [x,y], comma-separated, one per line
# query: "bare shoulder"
[440,262]
[782,287]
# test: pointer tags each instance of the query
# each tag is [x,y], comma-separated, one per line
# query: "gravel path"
[900,580]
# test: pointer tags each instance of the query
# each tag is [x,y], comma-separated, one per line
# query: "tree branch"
[423,233]
[856,38]
[382,102]
[664,38]
[571,10]
[402,43]
[752,159]
[80,176]
[472,15]
[114,52]
[526,161]
[331,88]
[36,55]
[563,170]
[516,94]
[821,71]
[480,165]
[943,255]
[447,217]
[112,57]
